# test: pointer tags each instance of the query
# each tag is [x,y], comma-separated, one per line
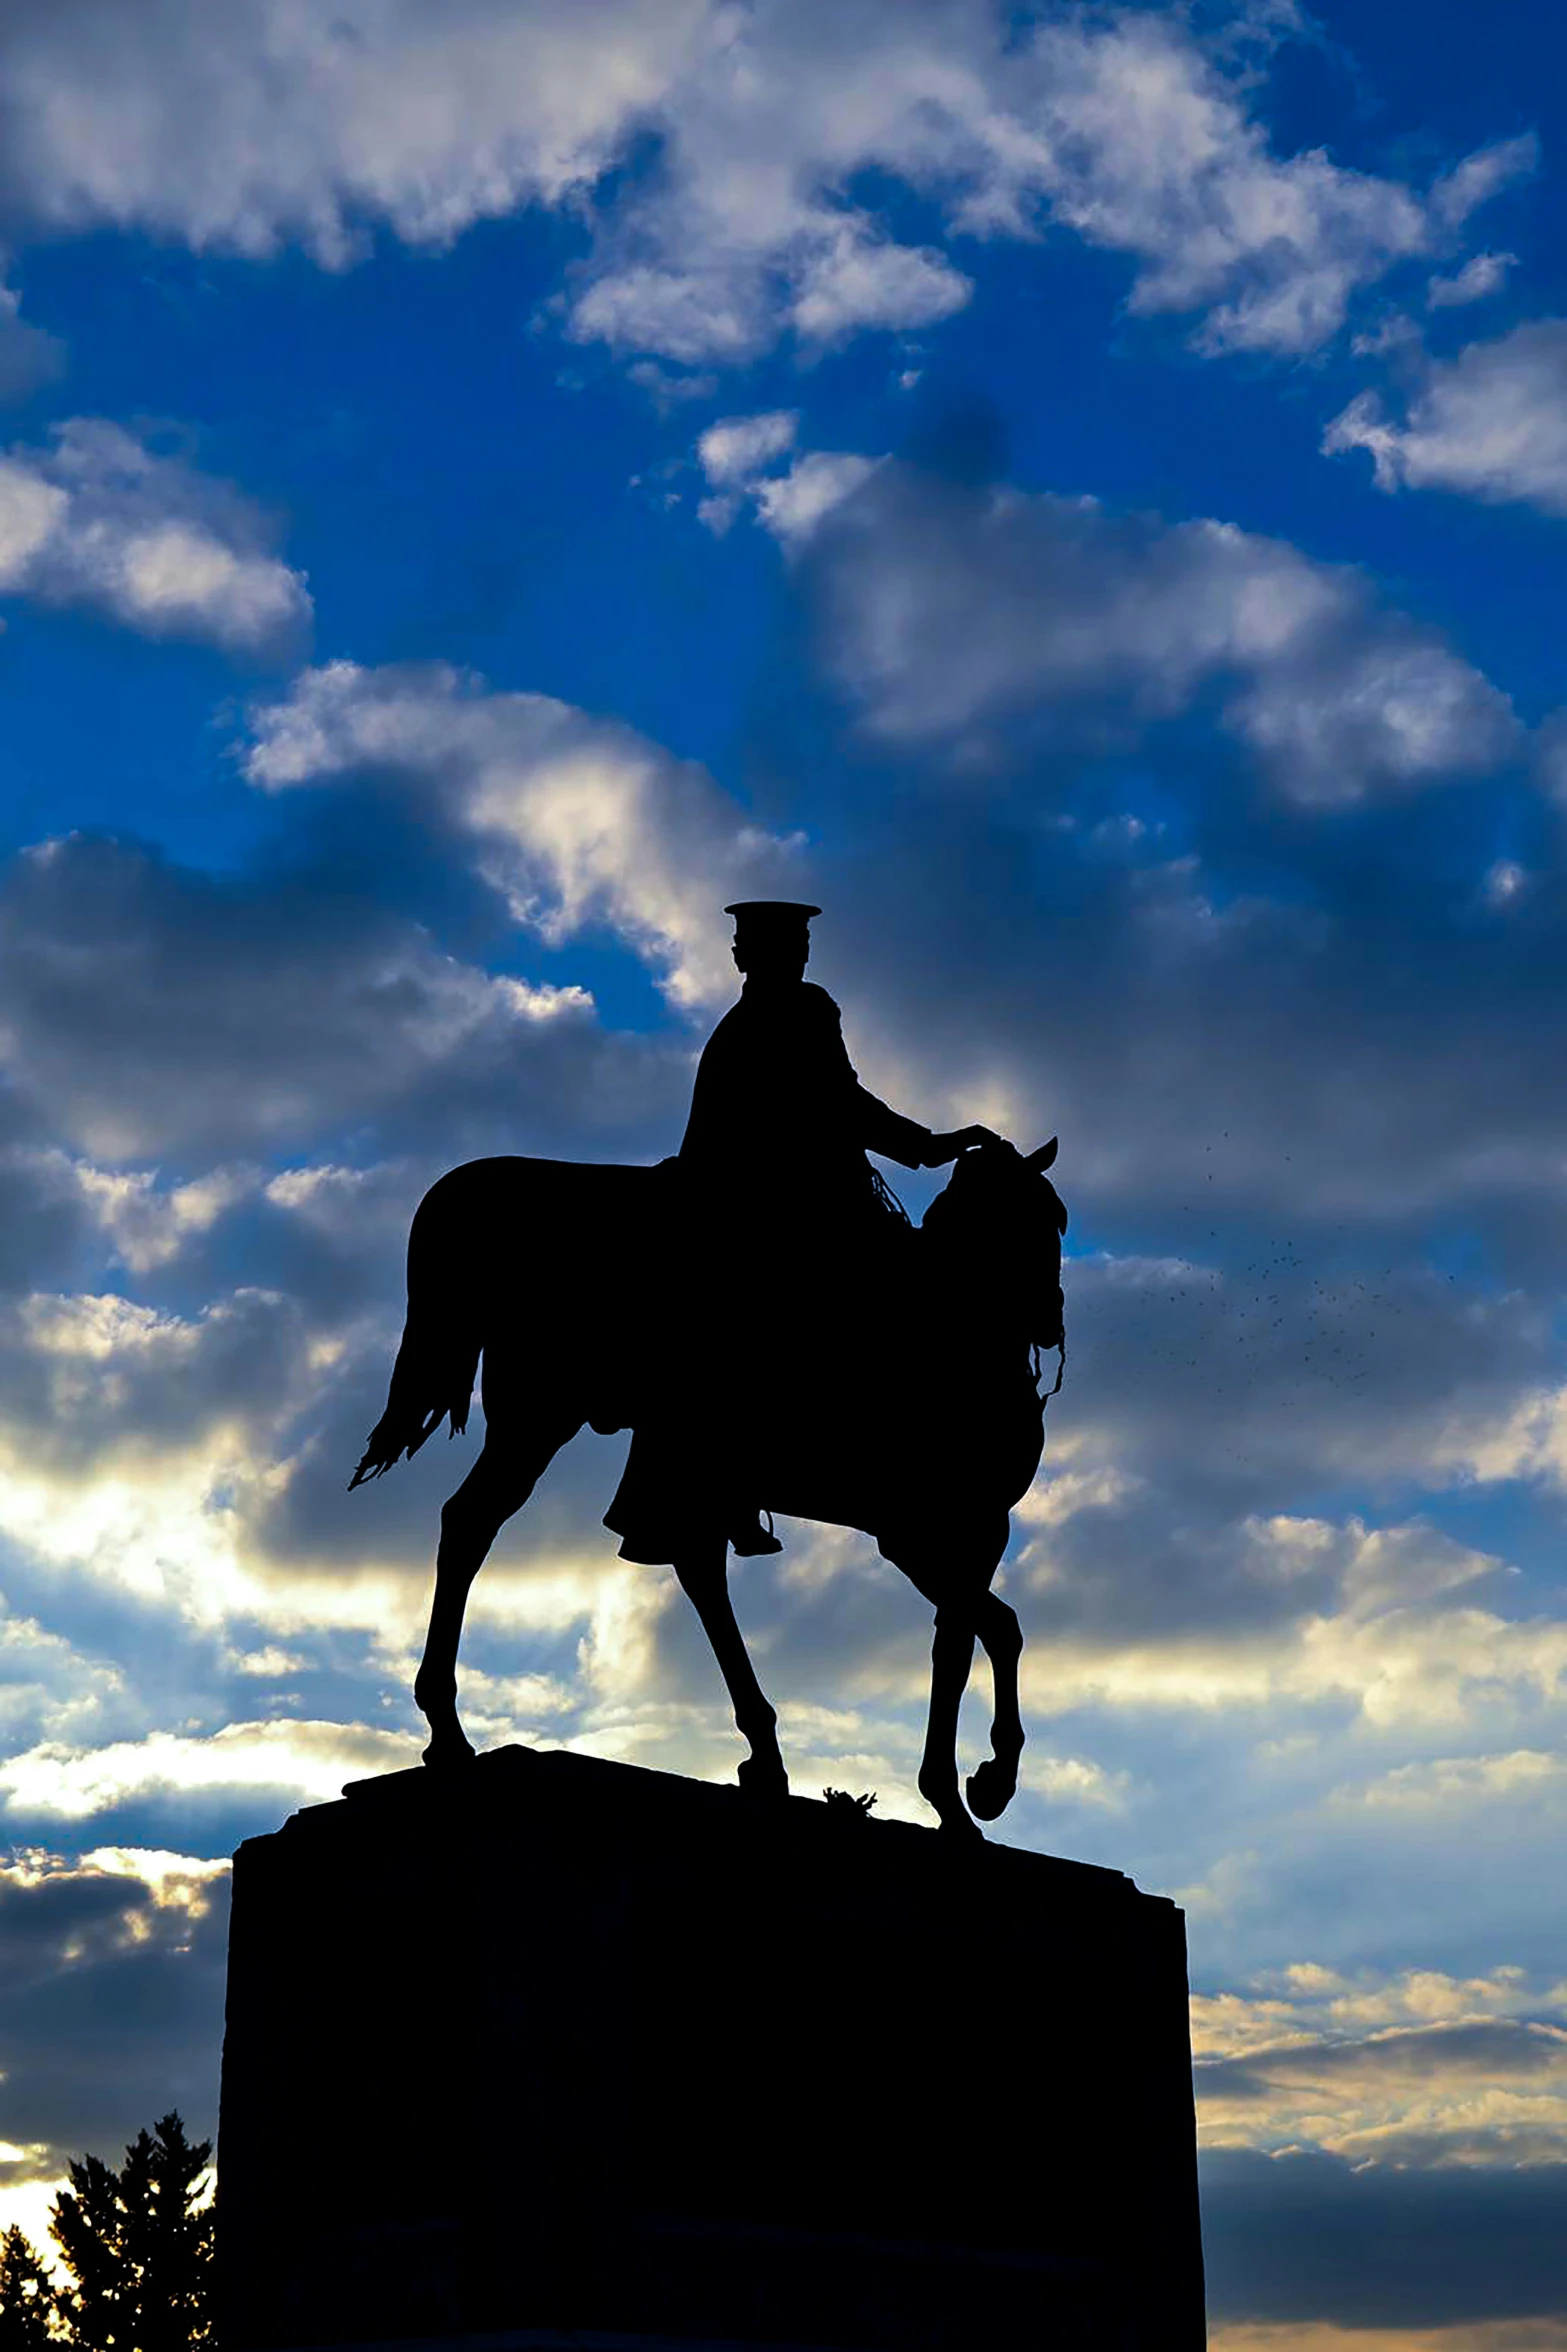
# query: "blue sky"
[1077,493]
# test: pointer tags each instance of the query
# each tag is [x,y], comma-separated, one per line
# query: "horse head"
[997,1227]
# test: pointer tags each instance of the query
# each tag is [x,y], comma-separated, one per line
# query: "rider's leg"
[993,1784]
[704,1577]
[499,1483]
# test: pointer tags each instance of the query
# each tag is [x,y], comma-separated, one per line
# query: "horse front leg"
[966,1609]
[704,1578]
[992,1785]
[499,1483]
[951,1660]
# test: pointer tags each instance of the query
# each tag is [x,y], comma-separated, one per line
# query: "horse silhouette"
[541,1267]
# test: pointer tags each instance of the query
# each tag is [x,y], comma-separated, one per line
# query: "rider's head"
[772,938]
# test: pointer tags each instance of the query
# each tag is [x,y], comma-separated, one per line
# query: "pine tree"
[138,2249]
[27,2296]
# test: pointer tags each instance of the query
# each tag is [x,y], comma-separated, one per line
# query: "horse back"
[557,1237]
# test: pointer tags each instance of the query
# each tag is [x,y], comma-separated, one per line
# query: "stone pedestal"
[553,2051]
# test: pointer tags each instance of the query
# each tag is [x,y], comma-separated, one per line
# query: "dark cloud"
[153,1010]
[29,356]
[44,1224]
[112,2008]
[86,1378]
[1483,2051]
[1286,1353]
[1296,2237]
[1303,1072]
[1298,1021]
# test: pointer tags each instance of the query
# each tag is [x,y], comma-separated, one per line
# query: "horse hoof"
[764,1780]
[990,1789]
[448,1750]
[958,1830]
[951,1818]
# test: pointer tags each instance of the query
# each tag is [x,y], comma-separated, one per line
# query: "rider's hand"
[947,1147]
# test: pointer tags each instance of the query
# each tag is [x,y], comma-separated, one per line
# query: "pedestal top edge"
[568,2340]
[498,1776]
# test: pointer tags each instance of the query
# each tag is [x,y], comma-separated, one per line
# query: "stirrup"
[752,1541]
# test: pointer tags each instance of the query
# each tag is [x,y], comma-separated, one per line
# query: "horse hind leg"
[992,1785]
[498,1485]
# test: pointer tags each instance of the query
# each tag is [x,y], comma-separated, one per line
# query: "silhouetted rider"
[783,1217]
[776,1096]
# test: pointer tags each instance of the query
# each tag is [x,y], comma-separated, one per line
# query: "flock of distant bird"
[1253,1305]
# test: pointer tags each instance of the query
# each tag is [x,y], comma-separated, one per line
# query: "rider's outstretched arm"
[888,1133]
[942,1148]
[904,1140]
[880,1129]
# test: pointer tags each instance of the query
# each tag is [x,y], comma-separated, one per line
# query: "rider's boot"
[750,1540]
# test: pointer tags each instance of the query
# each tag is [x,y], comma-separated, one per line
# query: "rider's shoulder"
[817,1004]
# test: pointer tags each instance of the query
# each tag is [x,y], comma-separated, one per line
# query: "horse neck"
[983,1314]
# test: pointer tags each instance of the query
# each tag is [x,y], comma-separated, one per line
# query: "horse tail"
[438,1358]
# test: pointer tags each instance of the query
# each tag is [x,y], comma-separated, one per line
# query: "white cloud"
[148,1223]
[99,520]
[742,458]
[1480,176]
[1489,424]
[1072,1780]
[28,2205]
[263,123]
[350,1206]
[792,505]
[1445,1784]
[1481,276]
[1144,148]
[738,448]
[952,616]
[735,453]
[576,820]
[138,1446]
[1384,1624]
[1419,2068]
[309,1761]
[857,280]
[176,1882]
[1524,1436]
[1117,126]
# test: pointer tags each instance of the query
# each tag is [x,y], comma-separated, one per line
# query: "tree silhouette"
[138,2247]
[28,2301]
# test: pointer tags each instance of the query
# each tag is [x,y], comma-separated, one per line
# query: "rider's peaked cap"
[772,914]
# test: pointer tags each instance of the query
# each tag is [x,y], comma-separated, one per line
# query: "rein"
[887,1197]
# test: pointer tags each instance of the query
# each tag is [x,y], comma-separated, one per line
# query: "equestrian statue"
[896,1391]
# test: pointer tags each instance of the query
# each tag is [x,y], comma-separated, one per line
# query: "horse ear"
[1045,1155]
